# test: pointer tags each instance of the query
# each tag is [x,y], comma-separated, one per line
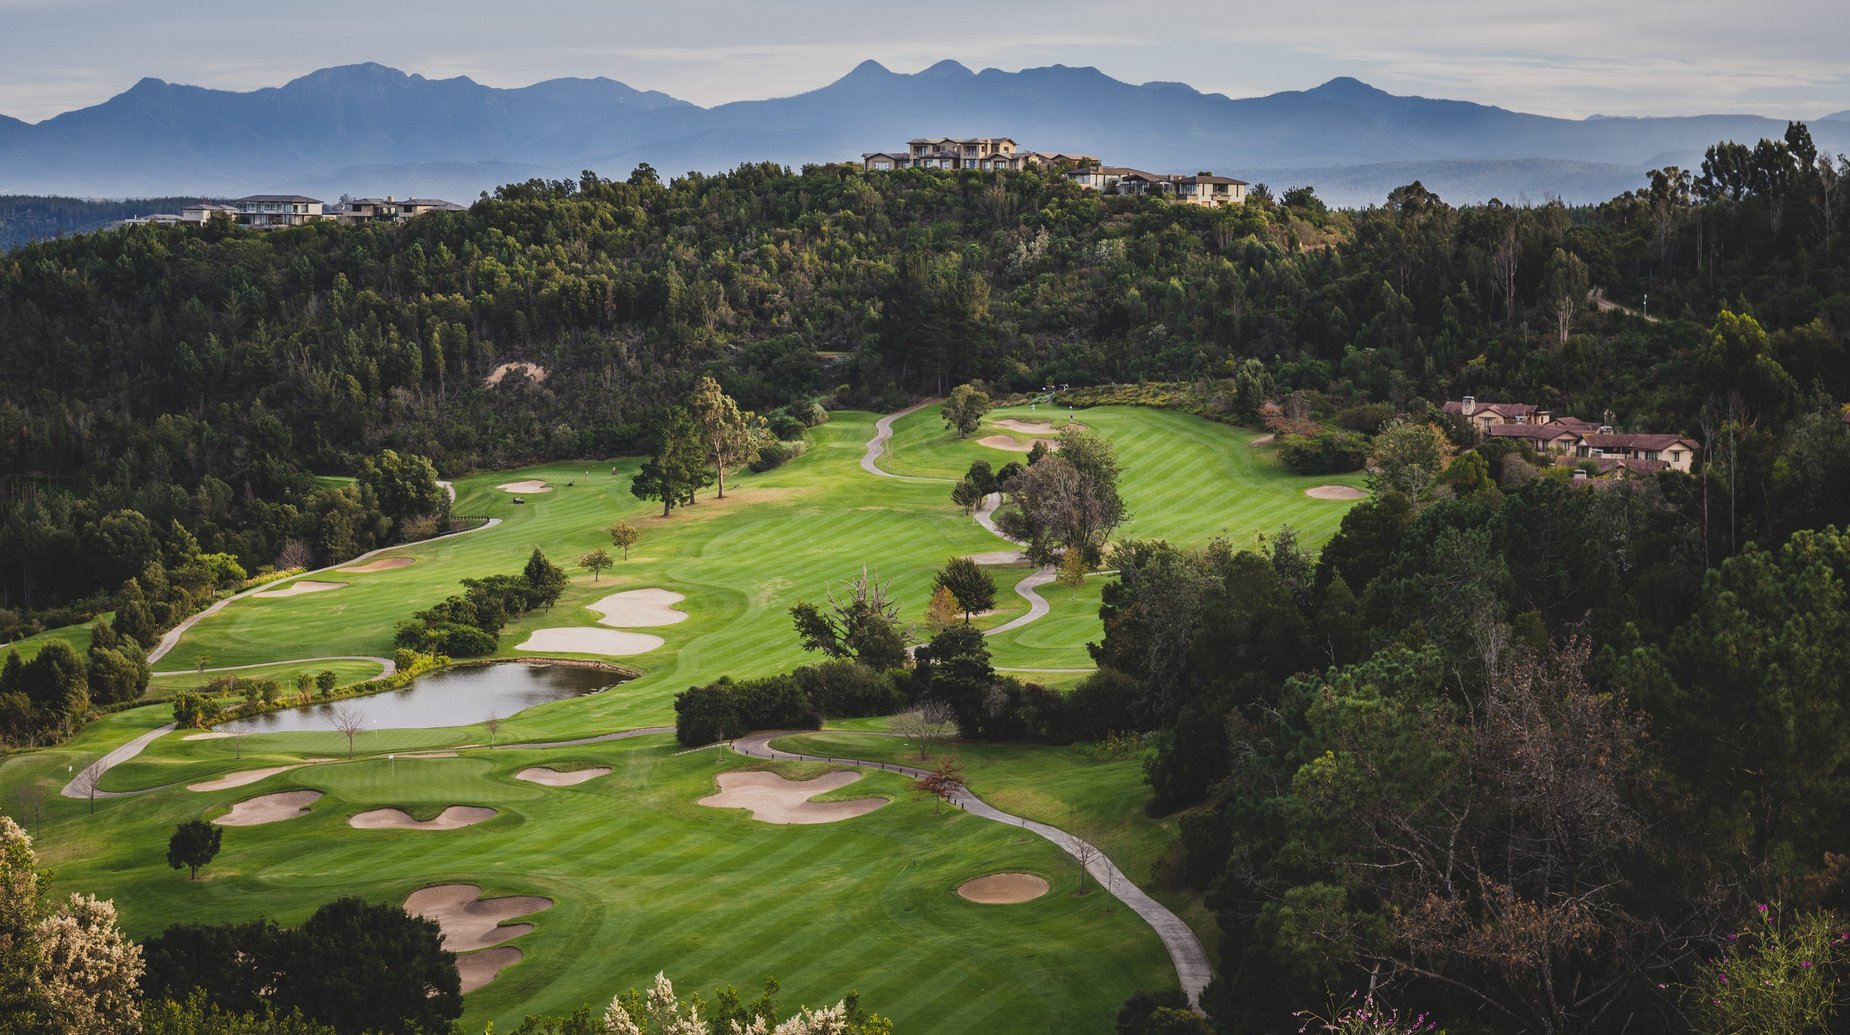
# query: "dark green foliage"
[118,667]
[973,587]
[359,967]
[1330,451]
[847,689]
[724,709]
[773,455]
[981,477]
[194,844]
[199,1016]
[954,668]
[678,467]
[469,624]
[233,965]
[1102,704]
[1160,1013]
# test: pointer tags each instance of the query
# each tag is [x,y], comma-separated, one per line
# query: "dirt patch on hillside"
[773,799]
[296,589]
[1003,889]
[453,818]
[640,608]
[248,776]
[549,777]
[1335,492]
[269,808]
[534,372]
[382,564]
[529,487]
[591,640]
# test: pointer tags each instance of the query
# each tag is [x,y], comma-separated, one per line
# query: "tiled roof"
[1635,441]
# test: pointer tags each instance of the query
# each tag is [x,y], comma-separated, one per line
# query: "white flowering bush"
[661,1013]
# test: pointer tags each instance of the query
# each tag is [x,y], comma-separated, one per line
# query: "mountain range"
[369,129]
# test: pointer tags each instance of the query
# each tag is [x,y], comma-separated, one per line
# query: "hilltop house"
[1203,188]
[1572,440]
[274,210]
[388,209]
[989,154]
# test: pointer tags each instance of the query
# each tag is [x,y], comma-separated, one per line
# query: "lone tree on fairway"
[964,409]
[493,725]
[193,844]
[728,435]
[88,782]
[1068,499]
[941,782]
[349,722]
[925,726]
[863,625]
[595,561]
[546,579]
[1072,571]
[969,583]
[624,535]
[966,494]
[679,466]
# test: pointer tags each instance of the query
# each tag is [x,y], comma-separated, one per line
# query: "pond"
[452,697]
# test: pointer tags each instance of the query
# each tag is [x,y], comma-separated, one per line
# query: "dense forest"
[27,217]
[1519,751]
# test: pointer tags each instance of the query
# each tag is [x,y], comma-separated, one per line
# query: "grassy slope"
[645,880]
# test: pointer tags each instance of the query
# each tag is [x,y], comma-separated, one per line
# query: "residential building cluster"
[1572,441]
[1001,154]
[269,211]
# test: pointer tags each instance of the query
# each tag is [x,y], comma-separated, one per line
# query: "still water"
[454,697]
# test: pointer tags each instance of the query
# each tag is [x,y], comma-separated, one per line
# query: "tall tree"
[730,436]
[194,843]
[965,408]
[973,587]
[679,467]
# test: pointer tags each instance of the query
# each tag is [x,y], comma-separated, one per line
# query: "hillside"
[368,129]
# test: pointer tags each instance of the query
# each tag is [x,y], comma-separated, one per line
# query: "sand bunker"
[468,920]
[382,564]
[590,640]
[248,776]
[1335,492]
[208,735]
[479,968]
[534,372]
[1008,442]
[1003,889]
[640,608]
[268,808]
[527,487]
[999,557]
[773,799]
[1037,427]
[296,589]
[453,818]
[550,777]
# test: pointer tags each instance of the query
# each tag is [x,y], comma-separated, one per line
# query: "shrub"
[1102,704]
[1331,451]
[847,689]
[776,454]
[704,714]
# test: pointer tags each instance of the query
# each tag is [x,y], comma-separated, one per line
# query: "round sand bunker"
[382,564]
[1335,492]
[1003,889]
[296,589]
[528,487]
[547,776]
[268,808]
[453,818]
[640,608]
[773,799]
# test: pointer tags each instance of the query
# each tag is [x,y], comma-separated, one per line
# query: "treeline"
[202,374]
[28,217]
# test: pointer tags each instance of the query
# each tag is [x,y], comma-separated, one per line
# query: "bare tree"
[237,742]
[1082,852]
[89,782]
[925,725]
[350,722]
[29,801]
[294,554]
[493,725]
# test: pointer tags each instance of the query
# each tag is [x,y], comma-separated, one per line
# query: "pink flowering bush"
[1779,974]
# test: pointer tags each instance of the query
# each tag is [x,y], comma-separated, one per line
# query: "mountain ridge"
[372,128]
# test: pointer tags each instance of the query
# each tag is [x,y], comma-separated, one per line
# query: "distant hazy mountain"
[368,129]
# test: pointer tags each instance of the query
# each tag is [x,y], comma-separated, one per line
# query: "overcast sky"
[1783,58]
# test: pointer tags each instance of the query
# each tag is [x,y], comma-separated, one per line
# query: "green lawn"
[645,880]
[348,673]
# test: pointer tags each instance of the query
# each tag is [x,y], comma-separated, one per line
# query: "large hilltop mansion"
[1573,441]
[269,211]
[1000,154]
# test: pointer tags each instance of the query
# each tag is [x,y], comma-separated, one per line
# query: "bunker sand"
[1335,492]
[527,487]
[1003,889]
[773,799]
[296,589]
[547,776]
[640,608]
[453,818]
[269,808]
[591,640]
